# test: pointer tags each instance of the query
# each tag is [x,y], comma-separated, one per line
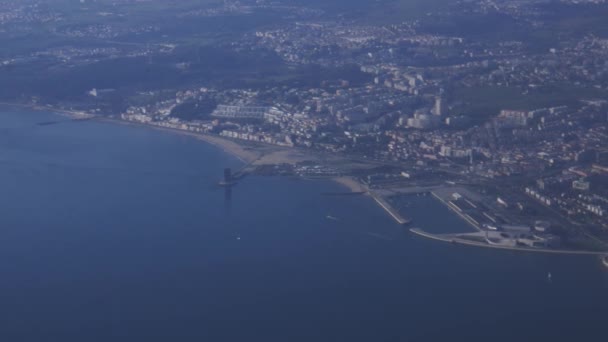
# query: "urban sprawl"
[522,128]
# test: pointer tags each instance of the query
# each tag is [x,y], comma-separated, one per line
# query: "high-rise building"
[438,110]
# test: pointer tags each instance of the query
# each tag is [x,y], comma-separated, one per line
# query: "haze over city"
[303,170]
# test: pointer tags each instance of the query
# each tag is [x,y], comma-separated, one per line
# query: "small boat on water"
[605,260]
[47,123]
[549,276]
[333,218]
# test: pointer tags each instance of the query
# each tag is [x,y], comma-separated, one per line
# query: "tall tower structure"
[438,109]
[227,175]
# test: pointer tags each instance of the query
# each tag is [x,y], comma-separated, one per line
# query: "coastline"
[259,155]
[351,183]
[249,153]
[74,114]
[282,155]
[245,155]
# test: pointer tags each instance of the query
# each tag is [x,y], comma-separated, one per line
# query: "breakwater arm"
[389,209]
[455,239]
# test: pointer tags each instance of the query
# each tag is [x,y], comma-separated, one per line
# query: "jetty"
[389,209]
[231,178]
[457,211]
[458,239]
[243,171]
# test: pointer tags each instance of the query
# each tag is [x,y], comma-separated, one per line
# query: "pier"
[231,178]
[458,212]
[389,209]
[243,171]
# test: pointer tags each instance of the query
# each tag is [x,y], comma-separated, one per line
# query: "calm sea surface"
[117,233]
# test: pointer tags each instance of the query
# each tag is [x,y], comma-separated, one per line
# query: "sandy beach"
[246,155]
[257,155]
[247,152]
[351,183]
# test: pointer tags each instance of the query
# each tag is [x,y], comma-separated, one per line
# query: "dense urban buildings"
[515,108]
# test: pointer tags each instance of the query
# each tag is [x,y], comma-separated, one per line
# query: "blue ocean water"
[118,233]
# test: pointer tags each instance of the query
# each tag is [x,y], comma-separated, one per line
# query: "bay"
[119,233]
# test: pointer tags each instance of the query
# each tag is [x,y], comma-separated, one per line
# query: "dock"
[457,211]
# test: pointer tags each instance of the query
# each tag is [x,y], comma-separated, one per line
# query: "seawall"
[389,209]
[457,211]
[459,241]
